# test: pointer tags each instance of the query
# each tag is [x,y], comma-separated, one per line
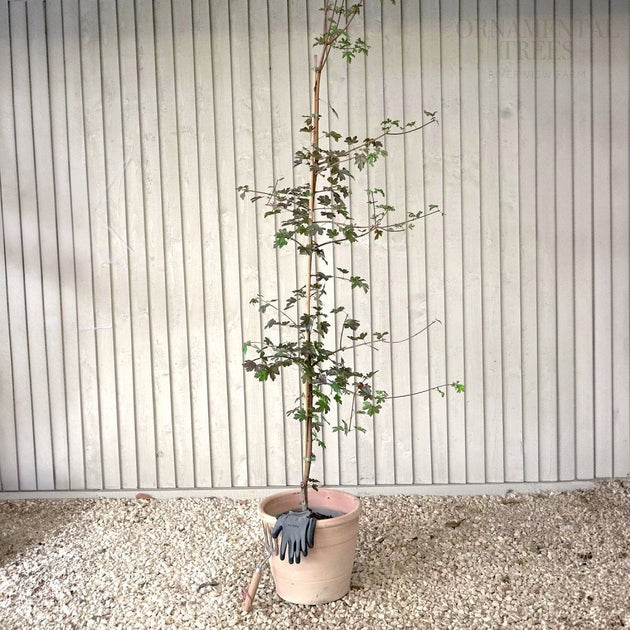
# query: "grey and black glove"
[298,532]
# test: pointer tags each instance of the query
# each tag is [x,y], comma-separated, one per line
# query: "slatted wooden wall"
[128,260]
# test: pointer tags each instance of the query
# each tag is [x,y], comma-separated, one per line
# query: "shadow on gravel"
[28,524]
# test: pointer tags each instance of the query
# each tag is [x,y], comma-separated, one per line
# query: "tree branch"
[281,312]
[423,391]
[396,227]
[346,156]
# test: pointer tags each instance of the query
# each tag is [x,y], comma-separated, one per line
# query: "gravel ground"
[554,560]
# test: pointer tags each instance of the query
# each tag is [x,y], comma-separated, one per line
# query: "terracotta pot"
[324,575]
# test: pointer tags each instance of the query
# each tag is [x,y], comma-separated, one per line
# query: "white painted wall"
[128,260]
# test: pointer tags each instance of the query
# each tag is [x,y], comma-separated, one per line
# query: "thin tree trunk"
[307,436]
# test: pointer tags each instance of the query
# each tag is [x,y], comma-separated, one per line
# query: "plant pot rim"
[336,521]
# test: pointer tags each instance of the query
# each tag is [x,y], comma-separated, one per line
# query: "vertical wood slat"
[583,239]
[269,456]
[620,217]
[136,257]
[451,131]
[264,48]
[602,262]
[106,416]
[176,294]
[115,169]
[244,171]
[434,240]
[471,225]
[546,242]
[381,428]
[27,177]
[16,461]
[64,228]
[509,234]
[398,257]
[229,222]
[490,245]
[164,458]
[413,99]
[48,239]
[89,436]
[289,56]
[527,227]
[9,479]
[565,298]
[189,176]
[219,429]
[335,92]
[361,452]
[129,260]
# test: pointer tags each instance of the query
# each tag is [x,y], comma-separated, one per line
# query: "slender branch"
[346,156]
[343,327]
[386,228]
[373,342]
[349,423]
[418,332]
[326,9]
[377,223]
[423,391]
[329,45]
[277,308]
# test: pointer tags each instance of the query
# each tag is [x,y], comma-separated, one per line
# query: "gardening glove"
[298,532]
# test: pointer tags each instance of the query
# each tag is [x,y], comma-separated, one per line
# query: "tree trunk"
[307,436]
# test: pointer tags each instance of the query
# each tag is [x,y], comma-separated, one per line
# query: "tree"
[314,216]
